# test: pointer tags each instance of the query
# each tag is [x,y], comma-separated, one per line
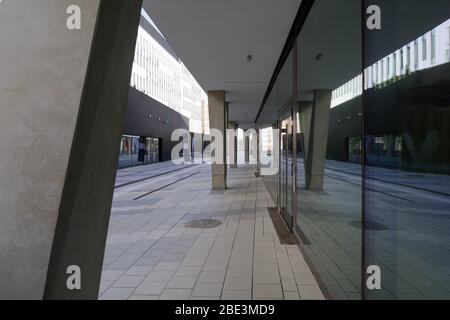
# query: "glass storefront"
[138,150]
[129,149]
[363,110]
[328,217]
[152,150]
[407,118]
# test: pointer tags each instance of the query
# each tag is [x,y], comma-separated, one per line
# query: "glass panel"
[283,171]
[285,86]
[285,82]
[152,150]
[286,179]
[329,214]
[129,149]
[271,156]
[407,147]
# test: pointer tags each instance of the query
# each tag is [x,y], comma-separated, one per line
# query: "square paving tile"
[182,283]
[175,294]
[267,291]
[207,289]
[152,255]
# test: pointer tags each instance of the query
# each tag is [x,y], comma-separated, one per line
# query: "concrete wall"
[138,122]
[43,67]
[63,95]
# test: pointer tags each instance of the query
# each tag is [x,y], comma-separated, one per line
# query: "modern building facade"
[159,81]
[159,73]
[148,131]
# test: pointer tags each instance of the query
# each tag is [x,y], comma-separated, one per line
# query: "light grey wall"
[43,67]
[83,219]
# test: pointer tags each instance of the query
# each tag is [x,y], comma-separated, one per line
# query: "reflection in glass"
[407,179]
[328,217]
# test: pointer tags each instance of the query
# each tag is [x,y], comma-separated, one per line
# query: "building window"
[424,48]
[398,144]
[388,67]
[448,46]
[402,65]
[416,54]
[394,67]
[374,74]
[433,46]
[408,58]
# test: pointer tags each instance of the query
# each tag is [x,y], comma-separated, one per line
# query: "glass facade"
[138,150]
[364,157]
[407,165]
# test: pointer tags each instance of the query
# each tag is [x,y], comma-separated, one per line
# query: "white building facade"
[430,50]
[161,75]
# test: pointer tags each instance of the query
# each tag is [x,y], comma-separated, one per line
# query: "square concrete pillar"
[218,114]
[69,91]
[317,120]
[233,144]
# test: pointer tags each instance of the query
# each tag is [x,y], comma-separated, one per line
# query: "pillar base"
[314,183]
[219,182]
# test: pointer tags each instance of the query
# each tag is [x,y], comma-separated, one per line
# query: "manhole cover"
[203,224]
[369,225]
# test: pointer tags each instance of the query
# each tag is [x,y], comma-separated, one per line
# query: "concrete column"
[305,108]
[65,93]
[317,119]
[233,144]
[218,110]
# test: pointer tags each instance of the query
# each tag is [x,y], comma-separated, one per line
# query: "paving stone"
[142,297]
[267,291]
[237,295]
[308,292]
[212,276]
[207,289]
[128,281]
[159,276]
[182,283]
[150,288]
[116,294]
[191,271]
[175,294]
[149,247]
[111,275]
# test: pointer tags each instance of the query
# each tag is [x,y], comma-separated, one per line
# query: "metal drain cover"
[203,224]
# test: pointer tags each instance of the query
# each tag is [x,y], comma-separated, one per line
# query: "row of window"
[431,49]
[164,78]
[156,73]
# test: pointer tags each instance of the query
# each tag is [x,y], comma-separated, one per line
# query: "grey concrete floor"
[151,254]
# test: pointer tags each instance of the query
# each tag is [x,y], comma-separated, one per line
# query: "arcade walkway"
[154,253]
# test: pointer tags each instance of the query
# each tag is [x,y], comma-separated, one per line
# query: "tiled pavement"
[151,254]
